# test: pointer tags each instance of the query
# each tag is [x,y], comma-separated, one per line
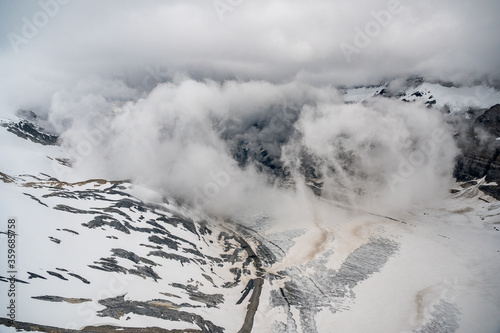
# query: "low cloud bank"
[250,146]
[49,45]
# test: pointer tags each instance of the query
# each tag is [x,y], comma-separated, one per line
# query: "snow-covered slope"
[455,99]
[82,243]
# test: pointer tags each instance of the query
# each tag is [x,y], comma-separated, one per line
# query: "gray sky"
[90,63]
[319,42]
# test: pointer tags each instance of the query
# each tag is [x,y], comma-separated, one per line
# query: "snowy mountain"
[106,255]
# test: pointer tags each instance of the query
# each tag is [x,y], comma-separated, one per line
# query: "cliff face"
[480,155]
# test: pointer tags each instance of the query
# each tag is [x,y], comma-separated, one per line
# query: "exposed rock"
[35,276]
[117,307]
[24,326]
[69,209]
[62,299]
[79,278]
[64,161]
[491,190]
[170,295]
[245,291]
[145,272]
[203,228]
[164,241]
[480,151]
[6,178]
[55,240]
[57,275]
[490,120]
[108,265]
[36,199]
[26,130]
[103,220]
[170,256]
[209,279]
[211,300]
[132,256]
[71,231]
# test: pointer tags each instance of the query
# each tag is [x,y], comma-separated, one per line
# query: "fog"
[231,104]
[241,147]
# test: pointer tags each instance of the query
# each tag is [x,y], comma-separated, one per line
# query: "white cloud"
[269,40]
[95,63]
[183,137]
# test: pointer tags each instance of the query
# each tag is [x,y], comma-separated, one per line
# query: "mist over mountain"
[250,166]
[260,138]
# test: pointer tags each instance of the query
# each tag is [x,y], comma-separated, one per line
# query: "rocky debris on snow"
[36,199]
[27,130]
[210,300]
[69,230]
[145,272]
[170,256]
[69,209]
[55,240]
[35,276]
[57,275]
[79,278]
[164,241]
[118,306]
[24,326]
[131,256]
[108,265]
[480,152]
[62,299]
[6,178]
[104,220]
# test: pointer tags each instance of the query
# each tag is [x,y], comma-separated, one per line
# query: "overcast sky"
[84,63]
[324,42]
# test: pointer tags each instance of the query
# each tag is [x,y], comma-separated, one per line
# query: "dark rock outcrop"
[51,298]
[118,306]
[35,276]
[26,130]
[57,275]
[480,151]
[29,327]
[210,300]
[79,278]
